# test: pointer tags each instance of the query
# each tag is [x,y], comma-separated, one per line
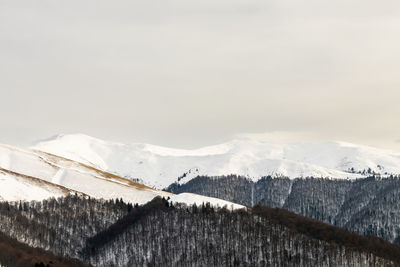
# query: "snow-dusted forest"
[113,233]
[369,206]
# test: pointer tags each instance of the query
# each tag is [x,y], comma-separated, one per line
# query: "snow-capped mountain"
[34,169]
[159,167]
[34,175]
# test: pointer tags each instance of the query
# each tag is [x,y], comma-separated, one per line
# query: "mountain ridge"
[159,167]
[36,175]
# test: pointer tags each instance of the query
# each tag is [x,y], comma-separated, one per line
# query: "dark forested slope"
[17,254]
[61,225]
[367,206]
[113,233]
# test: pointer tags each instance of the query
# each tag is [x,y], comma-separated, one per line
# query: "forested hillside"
[17,254]
[113,233]
[367,206]
[61,226]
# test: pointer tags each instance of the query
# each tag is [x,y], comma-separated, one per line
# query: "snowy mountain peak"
[158,166]
[35,175]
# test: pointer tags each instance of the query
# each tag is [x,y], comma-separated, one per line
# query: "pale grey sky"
[189,73]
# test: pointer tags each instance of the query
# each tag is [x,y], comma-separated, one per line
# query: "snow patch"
[190,199]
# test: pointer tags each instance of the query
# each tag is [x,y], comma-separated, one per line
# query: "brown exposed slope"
[54,159]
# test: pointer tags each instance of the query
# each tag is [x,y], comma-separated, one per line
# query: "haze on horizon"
[192,73]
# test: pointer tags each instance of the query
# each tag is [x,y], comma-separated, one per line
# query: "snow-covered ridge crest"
[159,167]
[28,170]
[36,175]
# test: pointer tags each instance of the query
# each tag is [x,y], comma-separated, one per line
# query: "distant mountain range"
[350,186]
[76,196]
[159,167]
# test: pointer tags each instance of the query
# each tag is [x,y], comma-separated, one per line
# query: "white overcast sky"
[189,73]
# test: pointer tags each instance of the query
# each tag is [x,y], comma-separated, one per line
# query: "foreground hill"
[159,167]
[102,233]
[17,254]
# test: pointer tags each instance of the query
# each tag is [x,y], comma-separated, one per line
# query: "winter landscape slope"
[15,186]
[69,174]
[35,175]
[160,166]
